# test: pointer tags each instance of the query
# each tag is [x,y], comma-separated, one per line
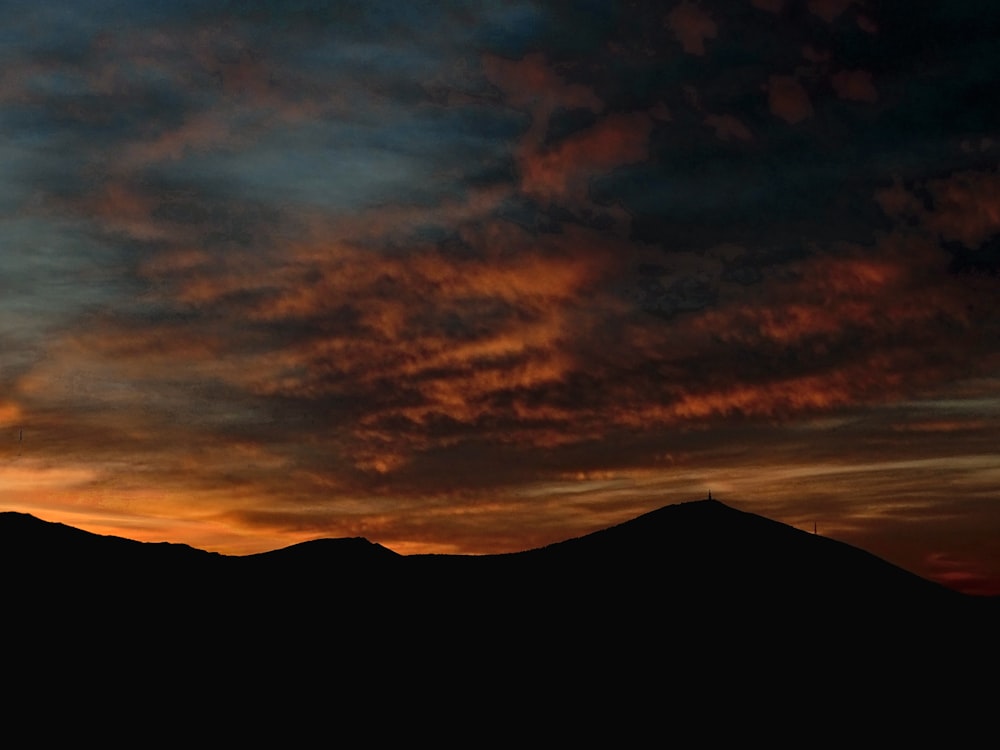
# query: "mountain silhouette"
[702,551]
[713,553]
[688,600]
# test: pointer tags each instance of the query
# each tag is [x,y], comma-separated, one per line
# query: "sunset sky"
[479,276]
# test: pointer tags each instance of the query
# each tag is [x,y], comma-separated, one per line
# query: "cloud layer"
[456,278]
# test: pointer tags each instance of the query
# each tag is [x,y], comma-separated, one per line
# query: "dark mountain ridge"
[704,558]
[24,536]
[703,546]
[738,551]
[689,600]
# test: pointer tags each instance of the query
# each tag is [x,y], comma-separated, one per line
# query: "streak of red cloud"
[660,111]
[563,170]
[788,99]
[966,207]
[960,574]
[783,397]
[533,299]
[866,24]
[246,74]
[173,261]
[559,171]
[692,26]
[829,10]
[124,209]
[530,84]
[943,426]
[854,85]
[10,413]
[813,55]
[145,349]
[828,295]
[727,127]
[201,131]
[897,201]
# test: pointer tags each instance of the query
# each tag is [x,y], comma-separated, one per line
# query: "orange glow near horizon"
[529,516]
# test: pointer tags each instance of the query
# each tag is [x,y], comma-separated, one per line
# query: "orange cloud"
[531,84]
[874,377]
[149,345]
[829,10]
[563,170]
[692,26]
[854,85]
[245,74]
[199,132]
[960,574]
[966,207]
[660,111]
[866,24]
[782,397]
[727,127]
[125,209]
[172,261]
[813,55]
[897,201]
[30,476]
[10,413]
[943,426]
[517,342]
[788,99]
[419,337]
[829,295]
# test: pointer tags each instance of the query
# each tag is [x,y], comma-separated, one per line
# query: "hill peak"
[328,549]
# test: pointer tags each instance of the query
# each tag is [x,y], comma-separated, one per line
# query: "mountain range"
[703,553]
[696,594]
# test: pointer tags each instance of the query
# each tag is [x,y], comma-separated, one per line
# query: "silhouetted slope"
[24,537]
[701,583]
[703,551]
[708,547]
[691,600]
[700,554]
[306,555]
[39,554]
[314,578]
[61,582]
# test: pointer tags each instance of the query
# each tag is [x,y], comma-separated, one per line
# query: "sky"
[475,277]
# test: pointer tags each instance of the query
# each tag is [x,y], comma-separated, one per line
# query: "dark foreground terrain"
[659,619]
